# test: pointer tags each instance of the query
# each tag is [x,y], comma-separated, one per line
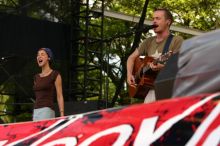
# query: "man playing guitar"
[153,47]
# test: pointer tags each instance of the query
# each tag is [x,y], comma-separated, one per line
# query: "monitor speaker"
[71,108]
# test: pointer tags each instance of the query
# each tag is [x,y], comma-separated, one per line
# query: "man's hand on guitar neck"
[156,67]
[158,64]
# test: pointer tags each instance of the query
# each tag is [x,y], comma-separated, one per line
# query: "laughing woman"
[47,87]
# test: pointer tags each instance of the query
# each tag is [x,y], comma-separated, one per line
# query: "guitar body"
[145,81]
[144,75]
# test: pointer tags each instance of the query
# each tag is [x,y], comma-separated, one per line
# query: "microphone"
[5,58]
[146,28]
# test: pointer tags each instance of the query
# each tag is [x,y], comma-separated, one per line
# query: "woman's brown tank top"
[45,90]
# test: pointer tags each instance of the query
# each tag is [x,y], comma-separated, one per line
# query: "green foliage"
[200,14]
[4,108]
[131,7]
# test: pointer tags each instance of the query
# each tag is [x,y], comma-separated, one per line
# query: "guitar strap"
[167,45]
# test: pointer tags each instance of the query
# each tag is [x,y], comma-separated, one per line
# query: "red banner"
[188,121]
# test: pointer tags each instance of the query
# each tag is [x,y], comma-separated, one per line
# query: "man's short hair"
[167,13]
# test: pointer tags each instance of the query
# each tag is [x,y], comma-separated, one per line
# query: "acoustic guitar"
[144,76]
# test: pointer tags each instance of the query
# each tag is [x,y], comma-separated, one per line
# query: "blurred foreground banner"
[191,121]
